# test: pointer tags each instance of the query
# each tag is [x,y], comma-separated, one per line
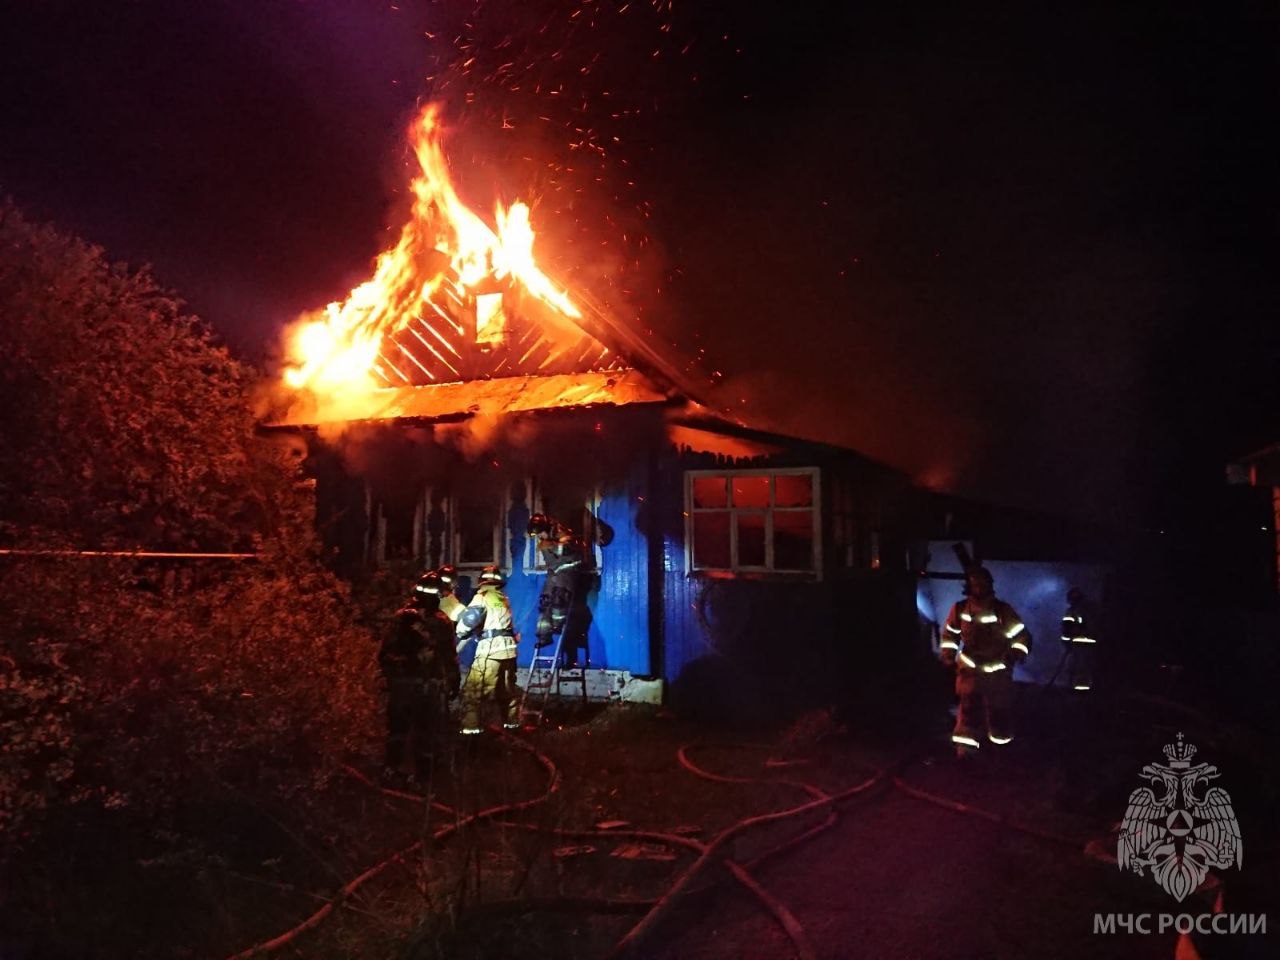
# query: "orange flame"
[332,352]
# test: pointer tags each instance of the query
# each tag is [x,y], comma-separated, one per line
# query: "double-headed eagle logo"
[1182,827]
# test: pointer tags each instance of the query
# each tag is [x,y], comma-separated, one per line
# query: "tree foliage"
[131,425]
[125,684]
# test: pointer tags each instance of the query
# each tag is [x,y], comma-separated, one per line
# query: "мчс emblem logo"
[1180,828]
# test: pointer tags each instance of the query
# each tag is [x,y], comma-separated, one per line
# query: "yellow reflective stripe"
[1082,640]
[1065,637]
[989,618]
[992,667]
[952,629]
[949,645]
[966,661]
[1068,618]
[966,617]
[1019,645]
[1016,629]
[1000,740]
[966,741]
[1081,686]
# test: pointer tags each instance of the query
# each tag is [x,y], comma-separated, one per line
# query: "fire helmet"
[426,592]
[493,575]
[448,575]
[539,523]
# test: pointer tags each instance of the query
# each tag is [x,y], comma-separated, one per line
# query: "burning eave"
[445,402]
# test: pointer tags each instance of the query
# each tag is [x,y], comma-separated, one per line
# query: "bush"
[127,684]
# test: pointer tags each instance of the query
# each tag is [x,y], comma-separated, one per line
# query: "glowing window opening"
[756,518]
[491,319]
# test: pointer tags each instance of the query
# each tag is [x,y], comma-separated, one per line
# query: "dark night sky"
[1028,256]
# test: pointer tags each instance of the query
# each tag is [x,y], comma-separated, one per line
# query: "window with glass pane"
[793,490]
[793,540]
[751,491]
[752,549]
[753,520]
[710,492]
[711,540]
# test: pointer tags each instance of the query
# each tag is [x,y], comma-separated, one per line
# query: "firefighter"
[564,554]
[983,638]
[420,665]
[492,678]
[1078,641]
[450,605]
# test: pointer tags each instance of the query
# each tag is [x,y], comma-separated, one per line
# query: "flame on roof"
[499,396]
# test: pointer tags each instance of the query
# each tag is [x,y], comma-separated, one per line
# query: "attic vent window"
[491,319]
[753,521]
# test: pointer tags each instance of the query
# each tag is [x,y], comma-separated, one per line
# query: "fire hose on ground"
[634,937]
[655,910]
[657,906]
[553,783]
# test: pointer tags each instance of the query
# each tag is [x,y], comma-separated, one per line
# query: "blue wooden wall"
[648,615]
[746,648]
[617,633]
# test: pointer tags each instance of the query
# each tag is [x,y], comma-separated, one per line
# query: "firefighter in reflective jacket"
[984,638]
[564,555]
[1078,639]
[418,660]
[492,678]
[450,605]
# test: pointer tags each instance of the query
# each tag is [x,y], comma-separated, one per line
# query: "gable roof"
[501,332]
[500,352]
[460,336]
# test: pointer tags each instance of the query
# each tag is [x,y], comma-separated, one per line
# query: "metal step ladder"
[547,675]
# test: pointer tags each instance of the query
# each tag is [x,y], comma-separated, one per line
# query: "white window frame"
[815,475]
[533,559]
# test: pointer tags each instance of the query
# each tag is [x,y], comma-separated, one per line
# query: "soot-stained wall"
[722,643]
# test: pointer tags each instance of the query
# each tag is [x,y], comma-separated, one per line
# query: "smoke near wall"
[570,449]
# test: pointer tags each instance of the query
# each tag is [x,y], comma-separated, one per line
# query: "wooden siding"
[750,645]
[784,640]
[617,597]
[440,345]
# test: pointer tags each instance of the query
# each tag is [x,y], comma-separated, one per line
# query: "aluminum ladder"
[552,675]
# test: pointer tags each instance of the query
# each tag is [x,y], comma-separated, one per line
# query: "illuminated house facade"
[462,389]
[719,551]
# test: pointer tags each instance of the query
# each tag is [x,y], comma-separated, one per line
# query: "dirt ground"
[896,876]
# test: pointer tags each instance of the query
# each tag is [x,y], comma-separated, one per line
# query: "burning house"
[460,390]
